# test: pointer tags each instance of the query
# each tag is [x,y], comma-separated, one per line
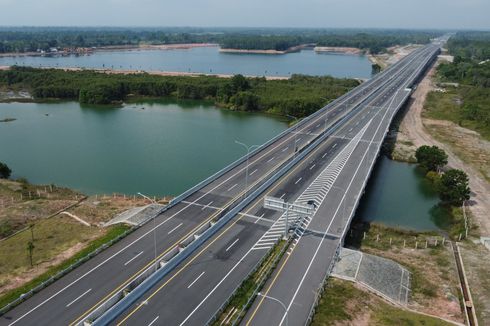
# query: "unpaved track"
[414,129]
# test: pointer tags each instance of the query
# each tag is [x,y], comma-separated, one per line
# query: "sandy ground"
[155,72]
[414,132]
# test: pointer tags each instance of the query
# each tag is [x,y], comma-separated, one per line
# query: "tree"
[239,83]
[30,250]
[4,171]
[453,187]
[431,157]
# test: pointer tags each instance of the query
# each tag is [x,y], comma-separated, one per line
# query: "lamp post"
[154,229]
[278,301]
[295,132]
[248,148]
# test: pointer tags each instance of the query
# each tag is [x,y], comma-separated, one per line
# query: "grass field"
[52,238]
[344,304]
[449,106]
[434,281]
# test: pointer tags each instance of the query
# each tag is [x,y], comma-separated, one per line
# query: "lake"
[163,149]
[210,60]
[399,195]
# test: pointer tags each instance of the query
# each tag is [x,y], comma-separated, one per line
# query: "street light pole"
[278,301]
[154,229]
[295,132]
[248,148]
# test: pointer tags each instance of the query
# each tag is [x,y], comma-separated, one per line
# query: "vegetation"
[4,171]
[250,285]
[468,104]
[431,158]
[453,187]
[10,262]
[31,39]
[343,303]
[298,96]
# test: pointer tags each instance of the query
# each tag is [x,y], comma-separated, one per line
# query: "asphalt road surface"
[197,288]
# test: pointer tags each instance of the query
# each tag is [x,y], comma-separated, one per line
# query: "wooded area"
[471,69]
[298,96]
[30,39]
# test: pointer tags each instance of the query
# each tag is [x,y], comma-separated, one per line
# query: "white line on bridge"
[78,298]
[270,159]
[285,149]
[253,172]
[206,206]
[196,279]
[126,263]
[236,184]
[229,247]
[175,228]
[153,321]
[260,217]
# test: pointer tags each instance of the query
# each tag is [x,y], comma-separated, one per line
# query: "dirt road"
[415,129]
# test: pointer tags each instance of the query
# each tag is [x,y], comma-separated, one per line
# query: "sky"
[444,14]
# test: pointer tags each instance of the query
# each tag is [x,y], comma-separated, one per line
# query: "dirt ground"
[434,280]
[57,236]
[477,267]
[345,304]
[458,143]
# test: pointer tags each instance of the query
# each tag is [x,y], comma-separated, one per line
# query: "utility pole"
[247,148]
[154,229]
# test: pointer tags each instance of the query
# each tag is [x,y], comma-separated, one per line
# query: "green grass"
[58,230]
[249,285]
[343,302]
[449,106]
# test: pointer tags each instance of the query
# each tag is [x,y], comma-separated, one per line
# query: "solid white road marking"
[153,321]
[126,263]
[236,184]
[149,231]
[229,247]
[175,228]
[260,217]
[206,206]
[196,279]
[78,298]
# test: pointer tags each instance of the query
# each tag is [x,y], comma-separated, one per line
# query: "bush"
[431,158]
[454,188]
[4,171]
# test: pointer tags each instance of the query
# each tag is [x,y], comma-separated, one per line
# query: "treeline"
[471,70]
[470,45]
[298,96]
[31,39]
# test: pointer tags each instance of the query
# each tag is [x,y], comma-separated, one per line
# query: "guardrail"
[123,299]
[62,273]
[349,219]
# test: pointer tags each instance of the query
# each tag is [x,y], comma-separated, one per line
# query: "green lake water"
[399,195]
[161,150]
